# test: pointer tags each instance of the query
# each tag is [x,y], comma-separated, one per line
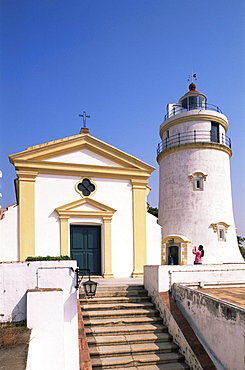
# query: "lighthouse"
[195,200]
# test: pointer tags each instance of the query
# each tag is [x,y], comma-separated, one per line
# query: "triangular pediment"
[85,148]
[85,207]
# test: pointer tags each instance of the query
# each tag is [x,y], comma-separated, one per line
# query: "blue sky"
[122,61]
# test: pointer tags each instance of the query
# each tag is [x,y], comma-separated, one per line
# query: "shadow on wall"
[19,311]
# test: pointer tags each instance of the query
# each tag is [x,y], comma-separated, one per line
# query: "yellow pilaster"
[139,225]
[26,199]
[107,248]
[64,235]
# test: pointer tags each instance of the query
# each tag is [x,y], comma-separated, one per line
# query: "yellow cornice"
[196,145]
[192,117]
[68,211]
[71,144]
[80,170]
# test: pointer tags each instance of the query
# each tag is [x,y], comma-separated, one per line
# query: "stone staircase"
[125,331]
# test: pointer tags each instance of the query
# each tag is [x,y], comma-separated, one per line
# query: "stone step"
[136,360]
[122,299]
[111,291]
[116,306]
[128,338]
[169,366]
[144,329]
[132,348]
[117,313]
[125,331]
[121,321]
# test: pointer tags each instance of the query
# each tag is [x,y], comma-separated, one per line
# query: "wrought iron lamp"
[89,285]
[90,288]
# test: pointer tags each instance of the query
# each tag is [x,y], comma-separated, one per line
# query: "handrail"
[202,106]
[193,137]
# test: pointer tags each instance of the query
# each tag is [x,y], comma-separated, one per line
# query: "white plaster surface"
[17,277]
[219,325]
[161,278]
[84,156]
[191,213]
[9,235]
[45,315]
[153,235]
[54,191]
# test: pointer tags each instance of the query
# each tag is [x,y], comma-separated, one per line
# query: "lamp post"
[89,286]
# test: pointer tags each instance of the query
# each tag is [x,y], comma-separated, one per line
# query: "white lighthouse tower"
[195,201]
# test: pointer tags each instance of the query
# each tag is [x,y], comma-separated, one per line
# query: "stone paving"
[234,295]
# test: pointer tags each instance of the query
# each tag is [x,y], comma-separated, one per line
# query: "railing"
[202,106]
[193,137]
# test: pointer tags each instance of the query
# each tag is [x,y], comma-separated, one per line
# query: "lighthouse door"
[174,250]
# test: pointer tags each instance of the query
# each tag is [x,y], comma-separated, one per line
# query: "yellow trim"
[80,192]
[215,226]
[26,185]
[139,225]
[184,248]
[78,143]
[106,213]
[107,248]
[197,145]
[173,121]
[80,170]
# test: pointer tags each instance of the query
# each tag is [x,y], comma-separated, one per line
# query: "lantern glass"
[90,288]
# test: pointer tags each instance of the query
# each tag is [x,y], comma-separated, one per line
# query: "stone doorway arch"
[177,245]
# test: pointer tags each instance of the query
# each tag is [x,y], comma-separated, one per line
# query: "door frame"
[103,214]
[99,226]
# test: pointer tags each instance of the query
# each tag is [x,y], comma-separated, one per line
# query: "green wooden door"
[86,247]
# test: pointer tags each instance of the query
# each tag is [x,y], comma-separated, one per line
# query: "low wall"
[52,302]
[219,325]
[160,278]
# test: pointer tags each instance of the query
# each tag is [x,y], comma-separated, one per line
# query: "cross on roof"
[84,118]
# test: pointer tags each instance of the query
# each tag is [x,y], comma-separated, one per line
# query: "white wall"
[161,278]
[153,235]
[219,325]
[187,212]
[54,191]
[9,235]
[17,277]
[45,316]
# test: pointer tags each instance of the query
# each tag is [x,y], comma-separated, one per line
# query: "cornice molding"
[67,211]
[192,117]
[72,144]
[80,170]
[196,145]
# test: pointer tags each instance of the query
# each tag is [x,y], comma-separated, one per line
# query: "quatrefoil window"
[85,187]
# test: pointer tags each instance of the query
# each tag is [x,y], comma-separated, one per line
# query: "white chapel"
[79,196]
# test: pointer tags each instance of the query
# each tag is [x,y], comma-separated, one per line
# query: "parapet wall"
[219,325]
[161,278]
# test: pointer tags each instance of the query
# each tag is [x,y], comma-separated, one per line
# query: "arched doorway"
[173,250]
[178,246]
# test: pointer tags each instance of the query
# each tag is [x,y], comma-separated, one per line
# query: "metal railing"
[202,106]
[193,137]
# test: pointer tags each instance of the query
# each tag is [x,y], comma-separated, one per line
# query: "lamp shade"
[90,288]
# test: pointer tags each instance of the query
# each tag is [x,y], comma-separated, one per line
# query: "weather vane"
[84,118]
[192,77]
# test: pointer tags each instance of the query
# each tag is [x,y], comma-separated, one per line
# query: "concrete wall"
[47,310]
[219,325]
[161,278]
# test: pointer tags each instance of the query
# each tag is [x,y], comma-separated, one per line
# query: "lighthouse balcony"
[174,109]
[193,137]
